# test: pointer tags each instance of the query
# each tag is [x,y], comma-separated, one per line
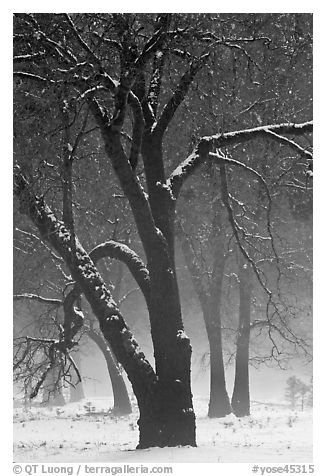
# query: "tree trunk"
[173,408]
[172,350]
[121,405]
[52,392]
[241,394]
[77,392]
[219,403]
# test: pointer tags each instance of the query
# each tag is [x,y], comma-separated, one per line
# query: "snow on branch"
[36,297]
[284,140]
[85,273]
[156,80]
[120,251]
[29,57]
[209,143]
[183,171]
[238,137]
[34,77]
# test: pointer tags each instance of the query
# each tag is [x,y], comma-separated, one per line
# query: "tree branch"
[35,297]
[218,141]
[179,94]
[120,251]
[137,131]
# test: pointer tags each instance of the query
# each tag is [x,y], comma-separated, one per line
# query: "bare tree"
[75,57]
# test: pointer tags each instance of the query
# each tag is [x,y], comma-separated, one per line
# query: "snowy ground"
[271,434]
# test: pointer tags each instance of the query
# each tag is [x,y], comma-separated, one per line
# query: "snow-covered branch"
[210,143]
[40,299]
[83,270]
[238,137]
[34,77]
[120,251]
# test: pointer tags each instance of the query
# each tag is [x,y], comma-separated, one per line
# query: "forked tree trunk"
[77,391]
[241,392]
[121,401]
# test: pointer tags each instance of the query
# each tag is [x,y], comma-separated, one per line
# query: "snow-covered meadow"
[273,433]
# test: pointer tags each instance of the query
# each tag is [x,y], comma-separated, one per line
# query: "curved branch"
[120,251]
[34,77]
[73,316]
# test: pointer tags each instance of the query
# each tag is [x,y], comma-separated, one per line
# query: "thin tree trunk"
[77,392]
[241,392]
[219,403]
[121,405]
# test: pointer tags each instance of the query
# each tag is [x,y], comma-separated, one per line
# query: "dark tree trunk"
[52,392]
[173,418]
[241,393]
[121,401]
[77,391]
[219,403]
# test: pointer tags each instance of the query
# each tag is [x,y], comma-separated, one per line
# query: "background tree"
[296,392]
